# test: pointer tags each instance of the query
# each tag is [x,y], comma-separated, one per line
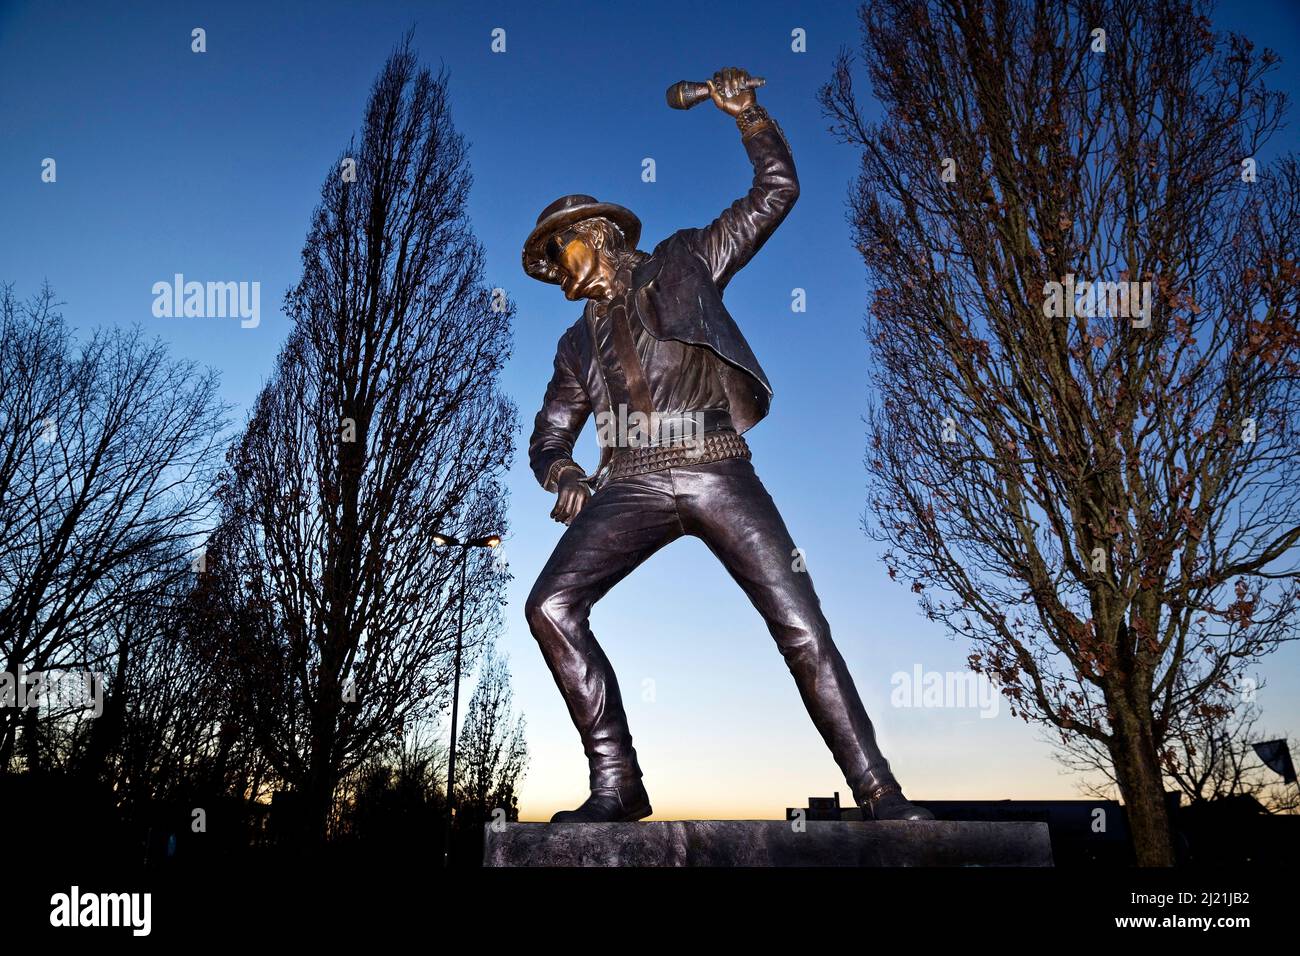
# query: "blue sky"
[210,164]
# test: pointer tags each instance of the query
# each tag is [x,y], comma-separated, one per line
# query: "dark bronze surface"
[769,843]
[673,298]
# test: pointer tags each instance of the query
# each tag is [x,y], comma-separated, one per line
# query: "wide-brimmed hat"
[563,213]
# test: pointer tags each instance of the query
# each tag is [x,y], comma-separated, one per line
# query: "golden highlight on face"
[584,268]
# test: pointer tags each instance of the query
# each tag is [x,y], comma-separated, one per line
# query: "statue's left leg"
[725,504]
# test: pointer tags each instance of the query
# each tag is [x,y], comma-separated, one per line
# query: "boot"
[886,802]
[617,804]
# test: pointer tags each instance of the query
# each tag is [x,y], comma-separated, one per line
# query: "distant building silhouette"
[820,808]
[1235,830]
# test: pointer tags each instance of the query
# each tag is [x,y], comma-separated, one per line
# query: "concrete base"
[769,843]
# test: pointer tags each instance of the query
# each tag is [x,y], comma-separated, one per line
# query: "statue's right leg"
[619,527]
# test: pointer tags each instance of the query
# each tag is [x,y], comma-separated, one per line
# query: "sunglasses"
[556,245]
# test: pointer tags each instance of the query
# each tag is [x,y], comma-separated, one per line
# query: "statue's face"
[585,271]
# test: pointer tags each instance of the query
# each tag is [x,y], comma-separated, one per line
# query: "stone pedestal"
[769,843]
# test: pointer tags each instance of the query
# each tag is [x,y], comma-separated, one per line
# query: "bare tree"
[1104,500]
[494,753]
[381,426]
[1209,756]
[107,453]
[171,727]
[398,794]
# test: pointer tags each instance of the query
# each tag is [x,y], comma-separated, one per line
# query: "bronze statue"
[673,384]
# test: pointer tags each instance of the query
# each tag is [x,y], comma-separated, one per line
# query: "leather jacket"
[677,295]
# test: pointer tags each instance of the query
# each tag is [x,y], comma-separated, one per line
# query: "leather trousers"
[725,505]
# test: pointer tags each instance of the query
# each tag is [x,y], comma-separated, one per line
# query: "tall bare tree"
[381,426]
[1102,500]
[108,449]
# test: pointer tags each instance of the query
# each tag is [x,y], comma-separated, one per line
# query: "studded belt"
[713,446]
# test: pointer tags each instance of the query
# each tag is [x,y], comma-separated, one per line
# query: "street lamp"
[447,541]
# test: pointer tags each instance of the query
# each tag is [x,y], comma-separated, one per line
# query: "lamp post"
[447,541]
